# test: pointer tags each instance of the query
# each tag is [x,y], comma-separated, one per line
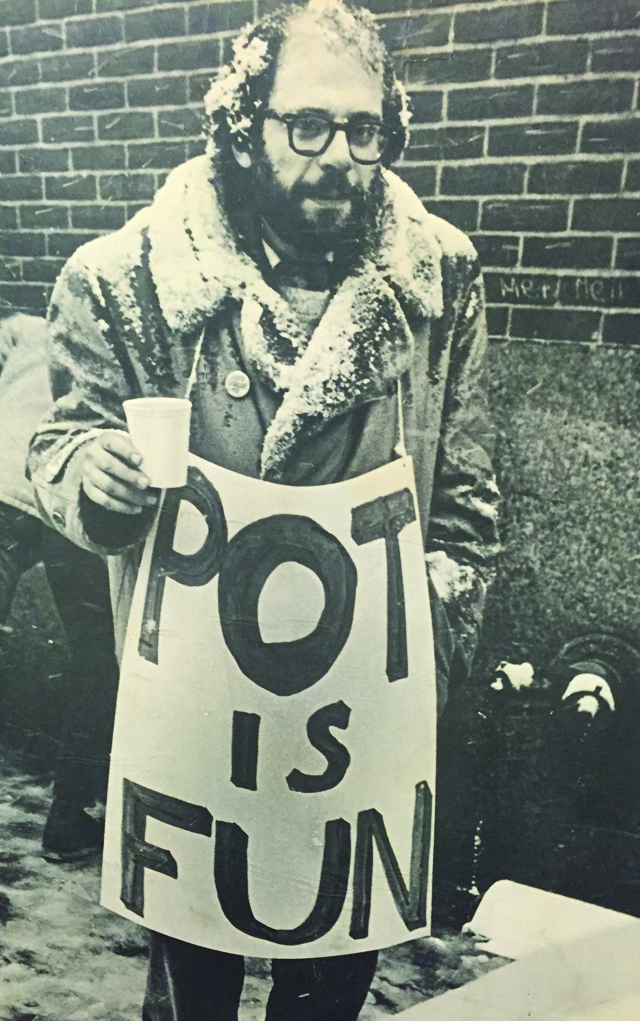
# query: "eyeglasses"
[311,134]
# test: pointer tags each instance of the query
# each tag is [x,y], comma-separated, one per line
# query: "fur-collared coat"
[125,319]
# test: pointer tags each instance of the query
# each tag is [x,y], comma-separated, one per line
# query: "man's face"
[313,202]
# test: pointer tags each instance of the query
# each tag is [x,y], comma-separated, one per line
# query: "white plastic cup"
[159,429]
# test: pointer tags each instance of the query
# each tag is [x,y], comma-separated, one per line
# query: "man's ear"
[242,155]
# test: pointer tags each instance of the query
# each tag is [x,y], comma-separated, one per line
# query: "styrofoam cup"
[159,429]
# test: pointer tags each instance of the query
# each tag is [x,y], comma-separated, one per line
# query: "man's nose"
[337,155]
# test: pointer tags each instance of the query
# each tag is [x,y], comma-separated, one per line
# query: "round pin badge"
[237,383]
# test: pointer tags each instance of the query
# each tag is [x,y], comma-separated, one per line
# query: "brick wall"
[526,134]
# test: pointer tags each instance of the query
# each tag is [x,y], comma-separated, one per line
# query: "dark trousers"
[79,584]
[189,983]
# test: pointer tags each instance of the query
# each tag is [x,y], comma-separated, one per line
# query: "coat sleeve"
[462,539]
[88,385]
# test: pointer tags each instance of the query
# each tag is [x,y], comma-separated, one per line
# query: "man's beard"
[326,228]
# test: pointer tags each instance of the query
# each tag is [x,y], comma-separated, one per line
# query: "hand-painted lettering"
[335,715]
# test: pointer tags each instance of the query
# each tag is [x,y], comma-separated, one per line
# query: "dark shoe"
[70,834]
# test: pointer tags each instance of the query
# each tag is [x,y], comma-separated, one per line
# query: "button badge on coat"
[237,383]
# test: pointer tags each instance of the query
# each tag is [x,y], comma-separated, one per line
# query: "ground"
[64,958]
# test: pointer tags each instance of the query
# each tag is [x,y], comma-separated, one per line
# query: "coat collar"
[363,341]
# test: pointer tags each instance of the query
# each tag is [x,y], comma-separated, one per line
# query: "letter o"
[285,668]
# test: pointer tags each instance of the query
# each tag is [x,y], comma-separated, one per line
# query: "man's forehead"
[320,72]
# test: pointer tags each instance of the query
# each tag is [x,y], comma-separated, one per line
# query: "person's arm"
[462,539]
[82,463]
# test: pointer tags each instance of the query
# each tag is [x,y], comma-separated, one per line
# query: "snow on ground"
[64,958]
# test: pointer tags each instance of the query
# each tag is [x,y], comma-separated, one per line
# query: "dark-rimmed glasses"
[311,134]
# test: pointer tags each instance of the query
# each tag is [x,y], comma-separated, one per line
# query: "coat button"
[237,383]
[59,518]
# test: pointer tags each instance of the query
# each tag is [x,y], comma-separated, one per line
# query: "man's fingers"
[121,490]
[113,465]
[120,444]
[110,503]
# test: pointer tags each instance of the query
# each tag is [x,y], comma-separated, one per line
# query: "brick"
[68,128]
[8,162]
[99,157]
[172,123]
[94,32]
[554,324]
[42,270]
[483,179]
[575,17]
[524,214]
[606,215]
[621,328]
[566,252]
[16,187]
[196,147]
[497,321]
[19,72]
[574,177]
[514,21]
[132,208]
[199,85]
[106,6]
[489,103]
[604,291]
[44,217]
[71,187]
[156,24]
[530,60]
[10,269]
[30,297]
[170,91]
[597,96]
[97,96]
[426,107]
[157,155]
[522,288]
[43,100]
[540,138]
[196,54]
[4,43]
[375,6]
[414,32]
[463,215]
[611,136]
[125,63]
[628,254]
[127,187]
[63,245]
[67,67]
[64,8]
[97,217]
[446,143]
[22,243]
[8,219]
[496,249]
[442,68]
[18,131]
[17,12]
[615,54]
[205,19]
[135,124]
[6,108]
[421,179]
[37,38]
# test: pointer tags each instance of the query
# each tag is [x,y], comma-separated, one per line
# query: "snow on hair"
[242,87]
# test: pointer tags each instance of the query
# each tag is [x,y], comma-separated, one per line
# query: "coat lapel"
[362,343]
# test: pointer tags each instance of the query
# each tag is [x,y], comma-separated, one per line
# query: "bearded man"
[325,291]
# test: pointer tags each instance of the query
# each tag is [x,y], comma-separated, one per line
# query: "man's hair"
[240,93]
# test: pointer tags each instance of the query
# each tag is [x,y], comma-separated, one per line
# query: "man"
[324,289]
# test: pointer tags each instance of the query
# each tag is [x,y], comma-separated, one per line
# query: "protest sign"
[273,767]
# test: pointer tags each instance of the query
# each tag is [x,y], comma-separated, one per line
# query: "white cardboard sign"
[273,767]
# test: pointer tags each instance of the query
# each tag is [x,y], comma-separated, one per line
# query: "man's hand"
[111,475]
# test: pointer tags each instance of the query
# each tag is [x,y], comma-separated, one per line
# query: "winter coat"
[25,398]
[128,310]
